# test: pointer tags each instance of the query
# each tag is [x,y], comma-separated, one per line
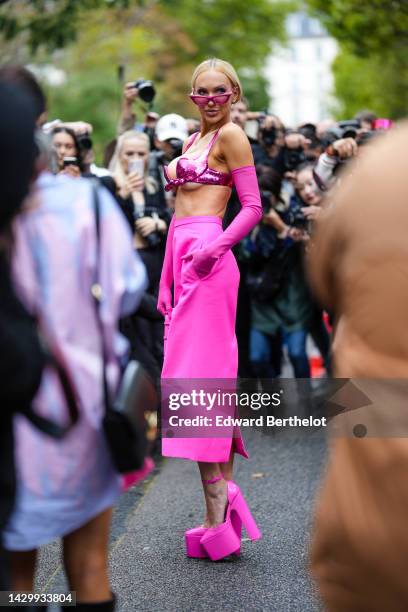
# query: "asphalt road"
[149,569]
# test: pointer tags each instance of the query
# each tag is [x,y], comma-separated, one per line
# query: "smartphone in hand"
[70,161]
[136,165]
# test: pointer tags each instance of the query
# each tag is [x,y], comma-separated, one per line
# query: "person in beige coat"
[358,266]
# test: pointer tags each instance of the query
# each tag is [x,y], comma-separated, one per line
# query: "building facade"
[299,75]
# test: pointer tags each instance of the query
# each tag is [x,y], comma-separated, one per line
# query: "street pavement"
[149,570]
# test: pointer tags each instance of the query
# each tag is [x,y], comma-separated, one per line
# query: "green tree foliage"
[236,30]
[95,99]
[158,39]
[49,23]
[106,40]
[365,26]
[371,69]
[379,83]
[255,87]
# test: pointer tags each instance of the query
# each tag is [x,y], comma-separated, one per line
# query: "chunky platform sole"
[223,540]
[193,536]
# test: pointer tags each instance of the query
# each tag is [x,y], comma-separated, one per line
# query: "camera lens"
[146,90]
[85,142]
[269,136]
[153,239]
[293,158]
[176,145]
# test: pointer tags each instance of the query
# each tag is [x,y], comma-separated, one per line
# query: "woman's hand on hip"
[201,260]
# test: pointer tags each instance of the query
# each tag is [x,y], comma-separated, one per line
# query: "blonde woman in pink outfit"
[199,266]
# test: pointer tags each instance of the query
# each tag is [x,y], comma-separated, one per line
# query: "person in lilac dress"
[66,488]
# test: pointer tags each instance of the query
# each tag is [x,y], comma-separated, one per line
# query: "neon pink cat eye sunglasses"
[217,99]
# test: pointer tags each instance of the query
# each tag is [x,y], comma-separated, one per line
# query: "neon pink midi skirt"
[200,339]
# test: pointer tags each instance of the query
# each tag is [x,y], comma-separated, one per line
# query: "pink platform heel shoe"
[193,546]
[193,539]
[194,535]
[223,540]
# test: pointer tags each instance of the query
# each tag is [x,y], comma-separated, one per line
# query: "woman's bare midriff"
[195,200]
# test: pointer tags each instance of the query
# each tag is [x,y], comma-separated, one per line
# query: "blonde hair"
[116,168]
[221,66]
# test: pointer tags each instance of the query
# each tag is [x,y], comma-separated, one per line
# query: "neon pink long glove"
[165,299]
[246,183]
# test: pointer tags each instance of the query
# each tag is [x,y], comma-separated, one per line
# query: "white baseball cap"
[171,126]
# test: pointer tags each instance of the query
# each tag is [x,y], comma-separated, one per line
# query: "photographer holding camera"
[281,304]
[144,91]
[342,143]
[274,153]
[72,155]
[170,133]
[68,157]
[138,196]
[281,150]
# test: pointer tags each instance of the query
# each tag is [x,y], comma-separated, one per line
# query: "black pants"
[146,342]
[145,328]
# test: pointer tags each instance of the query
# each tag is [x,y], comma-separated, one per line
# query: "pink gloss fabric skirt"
[200,339]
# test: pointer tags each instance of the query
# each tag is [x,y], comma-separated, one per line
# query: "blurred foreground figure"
[359,267]
[21,357]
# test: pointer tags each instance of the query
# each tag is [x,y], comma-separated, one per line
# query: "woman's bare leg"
[23,569]
[215,494]
[86,559]
[227,467]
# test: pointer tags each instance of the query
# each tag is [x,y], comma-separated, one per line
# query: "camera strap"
[47,426]
[97,292]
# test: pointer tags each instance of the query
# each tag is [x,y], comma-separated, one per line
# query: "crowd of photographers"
[297,167]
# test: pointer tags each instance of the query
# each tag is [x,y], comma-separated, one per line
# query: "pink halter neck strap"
[207,148]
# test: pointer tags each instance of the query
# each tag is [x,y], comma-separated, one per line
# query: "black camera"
[296,218]
[344,129]
[292,158]
[85,142]
[177,146]
[266,197]
[365,137]
[160,158]
[146,90]
[268,136]
[153,239]
[70,161]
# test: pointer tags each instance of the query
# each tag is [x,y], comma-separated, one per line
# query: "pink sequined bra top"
[196,170]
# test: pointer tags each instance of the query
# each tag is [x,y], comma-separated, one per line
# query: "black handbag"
[125,418]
